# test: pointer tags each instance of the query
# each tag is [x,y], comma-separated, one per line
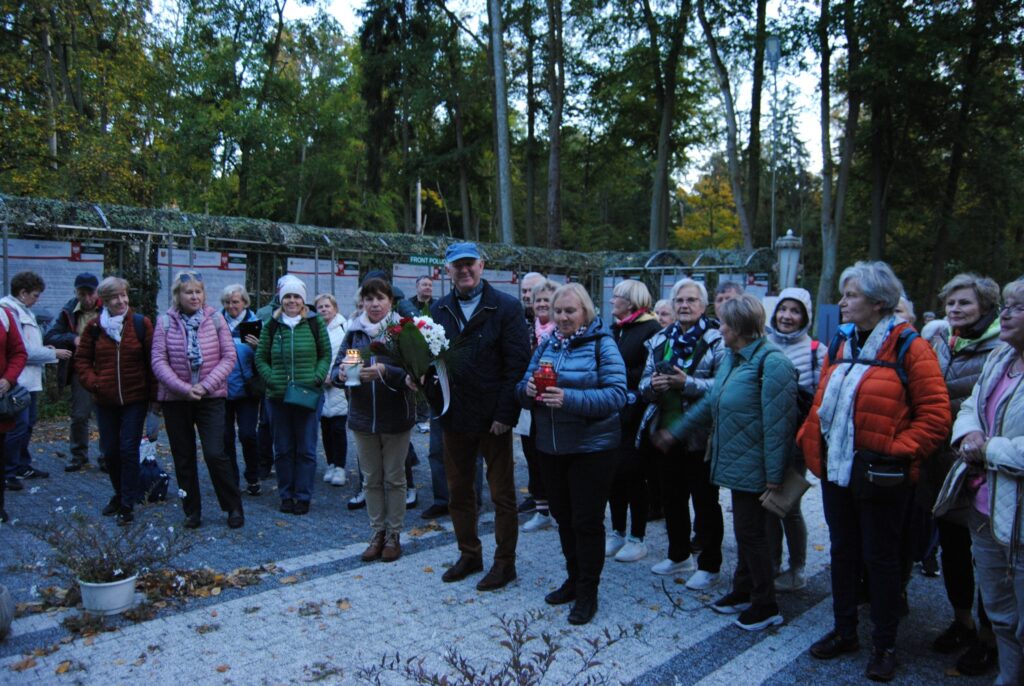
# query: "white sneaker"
[411,500]
[423,427]
[329,474]
[790,580]
[613,543]
[669,568]
[537,522]
[339,478]
[702,580]
[633,550]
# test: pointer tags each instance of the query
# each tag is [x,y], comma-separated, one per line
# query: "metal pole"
[775,139]
[316,271]
[6,237]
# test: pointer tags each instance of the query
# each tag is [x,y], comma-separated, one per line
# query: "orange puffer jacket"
[885,420]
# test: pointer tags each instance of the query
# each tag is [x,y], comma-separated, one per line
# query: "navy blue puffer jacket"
[593,376]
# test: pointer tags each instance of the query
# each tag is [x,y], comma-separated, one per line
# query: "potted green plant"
[105,560]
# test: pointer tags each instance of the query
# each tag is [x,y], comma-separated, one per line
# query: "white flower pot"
[109,598]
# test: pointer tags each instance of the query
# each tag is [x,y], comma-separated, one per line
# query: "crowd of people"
[645,414]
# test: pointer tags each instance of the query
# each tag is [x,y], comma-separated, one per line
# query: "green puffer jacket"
[274,357]
[754,419]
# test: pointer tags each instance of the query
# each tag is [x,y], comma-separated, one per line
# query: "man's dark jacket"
[492,356]
[62,336]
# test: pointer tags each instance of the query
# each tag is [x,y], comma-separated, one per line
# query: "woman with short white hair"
[880,409]
[242,406]
[680,370]
[634,325]
[334,415]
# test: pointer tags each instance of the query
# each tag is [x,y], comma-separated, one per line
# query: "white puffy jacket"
[1004,450]
[335,402]
[38,354]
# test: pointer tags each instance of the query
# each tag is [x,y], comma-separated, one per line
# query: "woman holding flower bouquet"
[381,413]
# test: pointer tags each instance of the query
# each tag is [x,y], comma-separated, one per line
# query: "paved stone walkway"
[337,618]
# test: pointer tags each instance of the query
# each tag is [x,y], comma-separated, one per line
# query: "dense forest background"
[560,123]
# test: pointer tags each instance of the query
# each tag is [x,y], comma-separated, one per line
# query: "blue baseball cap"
[86,280]
[461,251]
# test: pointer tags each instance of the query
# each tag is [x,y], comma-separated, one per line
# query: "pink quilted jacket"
[170,362]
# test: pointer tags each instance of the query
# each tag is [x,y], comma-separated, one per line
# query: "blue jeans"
[1003,595]
[295,430]
[120,434]
[866,534]
[243,412]
[17,440]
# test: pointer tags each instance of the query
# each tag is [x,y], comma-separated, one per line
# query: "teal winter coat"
[752,415]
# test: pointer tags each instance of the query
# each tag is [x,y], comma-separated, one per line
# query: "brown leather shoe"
[375,549]
[462,568]
[392,548]
[498,577]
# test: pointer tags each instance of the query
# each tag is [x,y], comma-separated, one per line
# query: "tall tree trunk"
[460,145]
[982,12]
[754,143]
[532,105]
[833,201]
[665,78]
[556,88]
[501,123]
[731,145]
[880,166]
[51,93]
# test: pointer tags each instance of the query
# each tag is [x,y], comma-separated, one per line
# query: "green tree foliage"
[231,107]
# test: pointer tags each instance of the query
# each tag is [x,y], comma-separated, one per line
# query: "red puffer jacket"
[885,420]
[116,374]
[12,355]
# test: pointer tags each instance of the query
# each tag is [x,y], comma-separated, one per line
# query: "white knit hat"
[291,285]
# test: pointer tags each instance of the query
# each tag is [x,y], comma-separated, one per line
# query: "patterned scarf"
[471,293]
[559,340]
[192,350]
[683,343]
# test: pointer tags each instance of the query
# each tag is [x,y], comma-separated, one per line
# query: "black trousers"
[685,475]
[755,573]
[629,491]
[958,568]
[578,488]
[535,484]
[182,419]
[866,533]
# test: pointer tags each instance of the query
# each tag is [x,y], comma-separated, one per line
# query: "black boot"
[584,609]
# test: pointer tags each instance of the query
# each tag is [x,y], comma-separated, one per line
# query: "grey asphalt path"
[339,617]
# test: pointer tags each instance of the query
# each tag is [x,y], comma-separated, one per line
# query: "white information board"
[58,263]
[341,279]
[506,282]
[405,276]
[219,269]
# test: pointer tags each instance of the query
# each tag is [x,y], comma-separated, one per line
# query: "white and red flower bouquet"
[417,344]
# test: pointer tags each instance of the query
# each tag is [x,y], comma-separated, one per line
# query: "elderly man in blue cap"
[482,411]
[76,314]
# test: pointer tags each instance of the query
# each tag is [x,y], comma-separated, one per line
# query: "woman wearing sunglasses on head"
[193,355]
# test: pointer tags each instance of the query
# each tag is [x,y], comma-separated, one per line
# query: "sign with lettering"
[58,263]
[218,269]
[340,279]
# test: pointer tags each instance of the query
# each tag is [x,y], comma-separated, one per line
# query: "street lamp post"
[787,257]
[773,51]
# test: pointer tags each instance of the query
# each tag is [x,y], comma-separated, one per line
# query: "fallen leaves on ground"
[291,579]
[418,531]
[223,668]
[428,569]
[207,628]
[63,667]
[343,604]
[198,583]
[22,665]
